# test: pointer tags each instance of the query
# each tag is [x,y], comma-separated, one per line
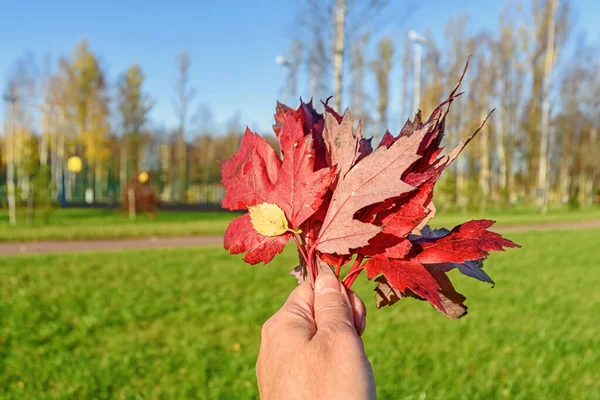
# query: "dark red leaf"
[469,241]
[329,110]
[452,302]
[406,274]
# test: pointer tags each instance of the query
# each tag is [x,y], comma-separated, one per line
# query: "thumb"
[333,312]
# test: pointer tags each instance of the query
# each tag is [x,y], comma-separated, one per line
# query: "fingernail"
[327,283]
[362,324]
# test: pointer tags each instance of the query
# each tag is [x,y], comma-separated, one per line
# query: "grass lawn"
[72,224]
[185,324]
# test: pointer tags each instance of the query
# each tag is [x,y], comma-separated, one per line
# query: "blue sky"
[232,44]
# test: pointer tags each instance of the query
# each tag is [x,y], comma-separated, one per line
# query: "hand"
[311,348]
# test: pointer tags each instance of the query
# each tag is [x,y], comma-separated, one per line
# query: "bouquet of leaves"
[347,204]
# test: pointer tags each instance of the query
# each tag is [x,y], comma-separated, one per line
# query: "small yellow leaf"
[268,219]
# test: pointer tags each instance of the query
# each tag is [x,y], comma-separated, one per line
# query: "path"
[198,241]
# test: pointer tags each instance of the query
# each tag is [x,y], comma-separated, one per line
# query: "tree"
[460,48]
[432,86]
[330,24]
[509,60]
[358,69]
[134,106]
[85,107]
[550,23]
[184,95]
[381,67]
[10,98]
[293,62]
[204,165]
[542,182]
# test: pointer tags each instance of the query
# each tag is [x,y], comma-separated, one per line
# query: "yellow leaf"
[268,219]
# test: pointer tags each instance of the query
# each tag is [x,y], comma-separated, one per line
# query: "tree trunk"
[484,172]
[589,183]
[98,183]
[461,163]
[501,153]
[123,170]
[10,172]
[338,51]
[90,180]
[542,182]
[563,179]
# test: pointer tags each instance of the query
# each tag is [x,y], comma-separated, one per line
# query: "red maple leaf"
[299,189]
[374,179]
[406,274]
[256,174]
[469,241]
[312,124]
[250,175]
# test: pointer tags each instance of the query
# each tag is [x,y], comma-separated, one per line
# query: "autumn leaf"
[268,219]
[406,274]
[406,213]
[374,179]
[299,189]
[452,302]
[473,269]
[312,125]
[300,272]
[466,242]
[250,175]
[343,143]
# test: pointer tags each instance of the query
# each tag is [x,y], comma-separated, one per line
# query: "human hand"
[311,348]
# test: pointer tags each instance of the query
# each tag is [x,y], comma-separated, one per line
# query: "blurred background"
[115,116]
[169,90]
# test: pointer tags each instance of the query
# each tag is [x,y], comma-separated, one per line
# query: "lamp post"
[10,161]
[418,41]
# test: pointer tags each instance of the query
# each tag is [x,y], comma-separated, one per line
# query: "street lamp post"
[10,161]
[418,41]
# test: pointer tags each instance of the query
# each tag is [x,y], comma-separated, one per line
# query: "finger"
[359,312]
[332,305]
[297,311]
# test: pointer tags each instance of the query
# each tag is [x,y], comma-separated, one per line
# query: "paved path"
[196,241]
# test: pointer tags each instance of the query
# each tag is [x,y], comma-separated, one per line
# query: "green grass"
[77,224]
[185,324]
[518,216]
[72,224]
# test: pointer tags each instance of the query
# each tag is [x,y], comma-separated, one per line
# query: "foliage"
[338,198]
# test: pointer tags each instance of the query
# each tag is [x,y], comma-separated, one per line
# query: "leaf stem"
[353,273]
[300,248]
[310,245]
[338,266]
[351,277]
[311,265]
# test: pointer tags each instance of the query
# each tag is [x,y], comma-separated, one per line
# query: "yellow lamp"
[143,177]
[74,164]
